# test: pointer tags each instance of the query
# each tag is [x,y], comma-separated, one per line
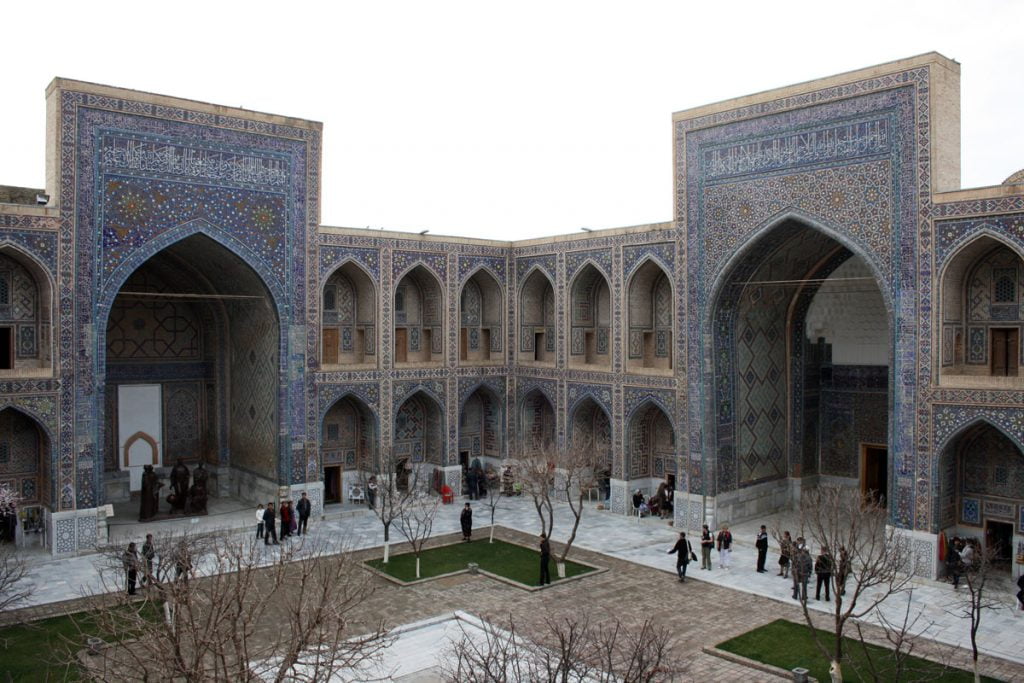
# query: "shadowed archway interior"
[196,322]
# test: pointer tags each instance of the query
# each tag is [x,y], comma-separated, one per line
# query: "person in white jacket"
[259,521]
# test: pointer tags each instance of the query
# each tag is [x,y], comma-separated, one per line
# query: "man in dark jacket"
[823,568]
[682,551]
[762,549]
[545,560]
[269,524]
[802,567]
[303,507]
[466,522]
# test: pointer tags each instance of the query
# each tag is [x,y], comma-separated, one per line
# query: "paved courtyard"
[705,611]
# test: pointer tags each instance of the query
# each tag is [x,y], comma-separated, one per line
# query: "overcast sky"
[501,120]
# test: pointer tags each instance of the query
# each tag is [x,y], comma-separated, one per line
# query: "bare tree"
[416,522]
[902,637]
[535,470]
[977,598]
[12,572]
[392,496]
[492,500]
[568,648]
[870,561]
[291,614]
[577,474]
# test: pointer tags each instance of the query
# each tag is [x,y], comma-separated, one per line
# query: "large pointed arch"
[750,339]
[481,425]
[419,430]
[197,309]
[650,452]
[349,438]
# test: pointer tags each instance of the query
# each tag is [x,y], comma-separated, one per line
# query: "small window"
[5,289]
[5,452]
[332,432]
[329,298]
[400,300]
[1005,288]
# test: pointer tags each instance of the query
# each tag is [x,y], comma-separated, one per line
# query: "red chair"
[447,495]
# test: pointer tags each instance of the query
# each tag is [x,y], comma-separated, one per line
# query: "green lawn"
[39,651]
[505,559]
[788,645]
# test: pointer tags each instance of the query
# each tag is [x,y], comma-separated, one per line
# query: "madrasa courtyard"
[825,307]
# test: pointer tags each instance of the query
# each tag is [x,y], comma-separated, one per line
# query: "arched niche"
[481,427]
[419,431]
[982,315]
[481,312]
[591,427]
[650,447]
[590,319]
[26,310]
[419,318]
[537,319]
[536,422]
[25,458]
[650,319]
[348,318]
[348,446]
[981,484]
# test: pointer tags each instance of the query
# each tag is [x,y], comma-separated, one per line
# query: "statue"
[197,494]
[179,482]
[151,484]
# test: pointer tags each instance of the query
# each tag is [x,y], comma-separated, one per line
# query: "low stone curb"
[752,663]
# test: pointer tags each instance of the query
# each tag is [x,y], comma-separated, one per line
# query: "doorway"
[874,472]
[401,345]
[6,348]
[332,484]
[999,541]
[402,475]
[1005,351]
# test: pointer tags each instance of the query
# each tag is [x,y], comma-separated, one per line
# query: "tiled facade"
[660,338]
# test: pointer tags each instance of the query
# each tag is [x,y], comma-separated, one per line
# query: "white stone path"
[644,542]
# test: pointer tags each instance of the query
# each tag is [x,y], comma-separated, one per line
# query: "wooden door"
[401,345]
[329,347]
[1005,351]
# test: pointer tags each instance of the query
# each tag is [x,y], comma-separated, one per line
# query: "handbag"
[693,555]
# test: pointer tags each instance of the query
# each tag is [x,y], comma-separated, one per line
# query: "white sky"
[501,120]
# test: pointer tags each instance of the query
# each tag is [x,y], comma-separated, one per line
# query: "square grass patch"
[508,560]
[788,645]
[40,651]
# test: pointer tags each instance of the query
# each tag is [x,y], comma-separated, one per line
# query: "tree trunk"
[835,671]
[492,532]
[560,567]
[387,554]
[977,675]
[417,566]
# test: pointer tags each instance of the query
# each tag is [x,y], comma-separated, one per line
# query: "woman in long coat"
[466,520]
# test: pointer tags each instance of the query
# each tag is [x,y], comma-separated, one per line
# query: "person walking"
[304,508]
[269,524]
[545,560]
[707,542]
[259,521]
[1020,593]
[286,520]
[823,568]
[466,522]
[785,554]
[762,548]
[148,553]
[802,567]
[724,547]
[683,552]
[130,560]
